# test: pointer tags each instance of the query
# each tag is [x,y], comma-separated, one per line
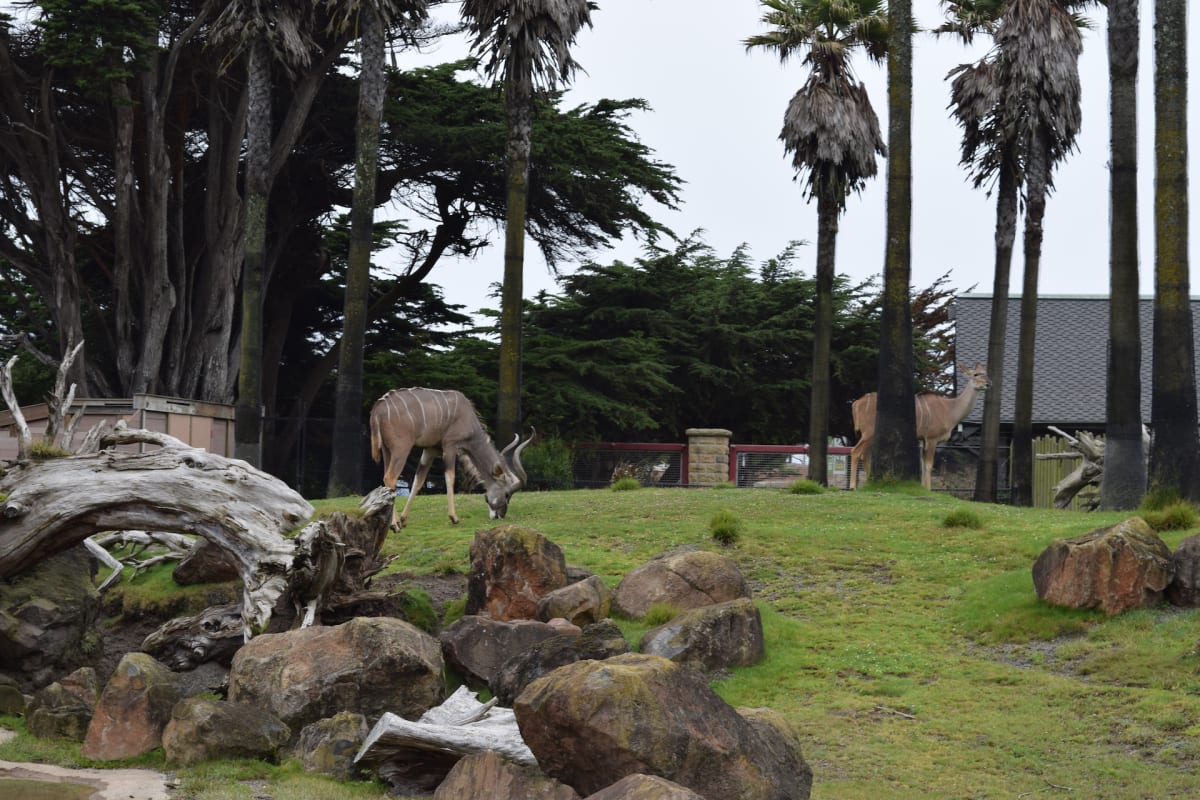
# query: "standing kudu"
[937,416]
[441,423]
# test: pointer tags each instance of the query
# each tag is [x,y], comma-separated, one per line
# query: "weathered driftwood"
[166,547]
[49,506]
[459,727]
[185,643]
[1090,450]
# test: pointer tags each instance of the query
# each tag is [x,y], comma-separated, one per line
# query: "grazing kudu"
[441,423]
[937,416]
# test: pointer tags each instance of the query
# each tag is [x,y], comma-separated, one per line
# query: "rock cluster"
[602,722]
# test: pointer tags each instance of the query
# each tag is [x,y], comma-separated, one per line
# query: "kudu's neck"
[961,406]
[483,455]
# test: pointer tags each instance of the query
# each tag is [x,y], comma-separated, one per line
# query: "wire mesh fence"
[651,464]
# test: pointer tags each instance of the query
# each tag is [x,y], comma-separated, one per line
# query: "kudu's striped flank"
[937,415]
[442,423]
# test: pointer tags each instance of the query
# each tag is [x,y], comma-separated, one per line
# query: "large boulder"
[12,699]
[710,638]
[488,775]
[684,579]
[203,729]
[592,723]
[1184,588]
[598,641]
[64,709]
[368,665]
[644,787]
[512,568]
[48,617]
[328,746]
[477,646]
[132,710]
[580,603]
[1112,569]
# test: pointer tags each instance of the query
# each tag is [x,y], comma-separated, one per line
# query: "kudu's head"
[507,477]
[978,377]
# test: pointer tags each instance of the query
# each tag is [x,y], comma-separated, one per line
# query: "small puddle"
[21,789]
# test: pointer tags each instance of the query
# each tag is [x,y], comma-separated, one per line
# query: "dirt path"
[110,784]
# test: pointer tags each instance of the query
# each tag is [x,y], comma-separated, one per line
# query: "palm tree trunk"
[248,409]
[1037,172]
[896,456]
[518,100]
[818,425]
[1175,451]
[986,476]
[1124,481]
[345,474]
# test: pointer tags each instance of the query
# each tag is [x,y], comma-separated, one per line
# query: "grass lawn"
[912,655]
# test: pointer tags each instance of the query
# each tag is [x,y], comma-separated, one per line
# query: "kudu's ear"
[498,471]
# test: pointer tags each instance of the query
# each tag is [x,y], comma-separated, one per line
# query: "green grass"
[912,657]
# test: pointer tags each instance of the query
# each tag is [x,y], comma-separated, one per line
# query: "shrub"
[626,484]
[963,518]
[1179,516]
[548,465]
[725,527]
[44,451]
[805,486]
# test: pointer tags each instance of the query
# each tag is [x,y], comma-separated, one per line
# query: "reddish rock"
[512,568]
[684,579]
[582,603]
[1112,569]
[592,723]
[488,775]
[368,665]
[132,710]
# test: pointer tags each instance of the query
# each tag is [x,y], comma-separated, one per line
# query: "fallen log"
[421,753]
[175,488]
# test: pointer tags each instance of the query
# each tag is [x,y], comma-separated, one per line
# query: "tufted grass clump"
[626,484]
[963,518]
[805,486]
[725,527]
[1179,516]
[660,614]
[44,451]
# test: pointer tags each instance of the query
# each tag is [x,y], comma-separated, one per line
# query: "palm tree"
[896,457]
[265,31]
[1019,109]
[373,18]
[1175,449]
[992,159]
[832,132]
[1124,481]
[1037,62]
[526,43]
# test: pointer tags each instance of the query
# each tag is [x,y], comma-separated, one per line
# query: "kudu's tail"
[376,443]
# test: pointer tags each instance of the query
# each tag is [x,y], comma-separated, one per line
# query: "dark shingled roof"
[1070,362]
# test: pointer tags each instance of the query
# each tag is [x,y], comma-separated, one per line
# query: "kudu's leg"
[393,465]
[861,452]
[418,481]
[448,459]
[928,451]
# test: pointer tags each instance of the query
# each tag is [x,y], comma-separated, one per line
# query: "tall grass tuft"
[626,484]
[1178,516]
[963,518]
[805,486]
[725,527]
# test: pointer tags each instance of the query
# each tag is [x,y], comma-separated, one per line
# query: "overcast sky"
[716,112]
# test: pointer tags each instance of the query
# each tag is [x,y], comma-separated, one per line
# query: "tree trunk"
[896,456]
[1124,481]
[1175,448]
[1037,173]
[345,476]
[818,425]
[987,472]
[248,412]
[518,100]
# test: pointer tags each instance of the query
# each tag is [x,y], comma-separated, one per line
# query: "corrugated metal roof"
[1070,355]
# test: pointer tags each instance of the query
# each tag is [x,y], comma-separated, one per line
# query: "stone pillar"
[708,456]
